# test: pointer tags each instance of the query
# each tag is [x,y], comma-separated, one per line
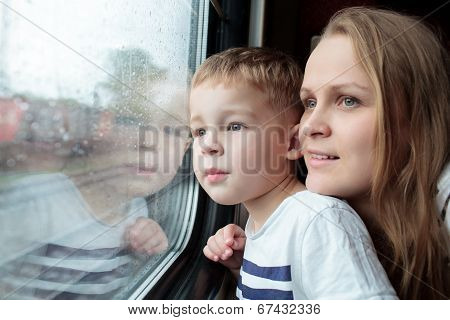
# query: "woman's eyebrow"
[348,85]
[335,87]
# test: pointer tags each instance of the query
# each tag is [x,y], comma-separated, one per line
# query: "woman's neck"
[262,207]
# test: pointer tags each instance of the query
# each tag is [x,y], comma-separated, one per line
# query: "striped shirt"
[56,248]
[59,272]
[311,247]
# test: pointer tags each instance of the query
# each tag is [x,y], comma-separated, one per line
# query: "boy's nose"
[213,149]
[210,145]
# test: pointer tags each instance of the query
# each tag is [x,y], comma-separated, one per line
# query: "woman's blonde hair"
[408,68]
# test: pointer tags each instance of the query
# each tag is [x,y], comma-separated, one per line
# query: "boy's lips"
[140,170]
[215,175]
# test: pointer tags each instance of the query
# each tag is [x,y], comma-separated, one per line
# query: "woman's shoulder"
[309,207]
[319,203]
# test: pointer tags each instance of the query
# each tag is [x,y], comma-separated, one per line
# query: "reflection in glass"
[92,140]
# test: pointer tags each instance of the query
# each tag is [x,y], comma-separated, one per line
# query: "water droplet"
[21,157]
[24,106]
[11,163]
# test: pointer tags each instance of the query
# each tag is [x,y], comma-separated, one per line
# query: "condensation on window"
[96,181]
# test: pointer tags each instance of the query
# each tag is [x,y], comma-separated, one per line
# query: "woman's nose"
[316,125]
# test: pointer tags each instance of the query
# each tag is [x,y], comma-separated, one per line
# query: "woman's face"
[338,127]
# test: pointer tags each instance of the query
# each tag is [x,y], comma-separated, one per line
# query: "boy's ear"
[295,151]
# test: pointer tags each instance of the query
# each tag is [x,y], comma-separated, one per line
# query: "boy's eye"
[168,130]
[200,132]
[310,104]
[234,127]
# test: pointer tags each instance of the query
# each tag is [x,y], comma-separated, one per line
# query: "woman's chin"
[317,187]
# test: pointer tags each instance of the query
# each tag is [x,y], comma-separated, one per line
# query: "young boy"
[244,111]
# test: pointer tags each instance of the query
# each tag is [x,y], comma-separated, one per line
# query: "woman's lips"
[215,175]
[320,159]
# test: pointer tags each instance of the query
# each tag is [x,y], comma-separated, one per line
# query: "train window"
[96,192]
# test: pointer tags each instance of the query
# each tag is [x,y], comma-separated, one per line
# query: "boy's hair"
[408,68]
[271,71]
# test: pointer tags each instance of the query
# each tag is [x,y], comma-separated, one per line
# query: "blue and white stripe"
[60,272]
[264,282]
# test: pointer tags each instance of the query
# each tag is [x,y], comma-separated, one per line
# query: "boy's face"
[240,142]
[140,157]
[146,158]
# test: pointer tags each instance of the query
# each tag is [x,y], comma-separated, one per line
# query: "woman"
[376,133]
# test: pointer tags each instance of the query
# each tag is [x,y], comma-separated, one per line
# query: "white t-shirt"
[312,247]
[443,196]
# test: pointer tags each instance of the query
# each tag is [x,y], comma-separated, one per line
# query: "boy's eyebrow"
[226,113]
[336,87]
[304,90]
[196,118]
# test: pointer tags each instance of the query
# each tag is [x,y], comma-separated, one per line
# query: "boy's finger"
[209,254]
[213,246]
[238,244]
[224,248]
[232,231]
[218,247]
[138,226]
[154,244]
[141,233]
[160,247]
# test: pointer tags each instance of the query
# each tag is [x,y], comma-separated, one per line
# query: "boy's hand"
[227,247]
[146,236]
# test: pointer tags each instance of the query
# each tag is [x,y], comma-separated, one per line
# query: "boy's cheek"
[198,163]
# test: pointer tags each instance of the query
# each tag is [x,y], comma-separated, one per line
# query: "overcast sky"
[35,62]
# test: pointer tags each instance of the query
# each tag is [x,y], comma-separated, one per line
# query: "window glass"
[96,189]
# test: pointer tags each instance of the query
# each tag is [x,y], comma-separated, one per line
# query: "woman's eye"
[235,127]
[350,102]
[310,104]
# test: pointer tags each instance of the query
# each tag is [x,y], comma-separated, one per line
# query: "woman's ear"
[295,150]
